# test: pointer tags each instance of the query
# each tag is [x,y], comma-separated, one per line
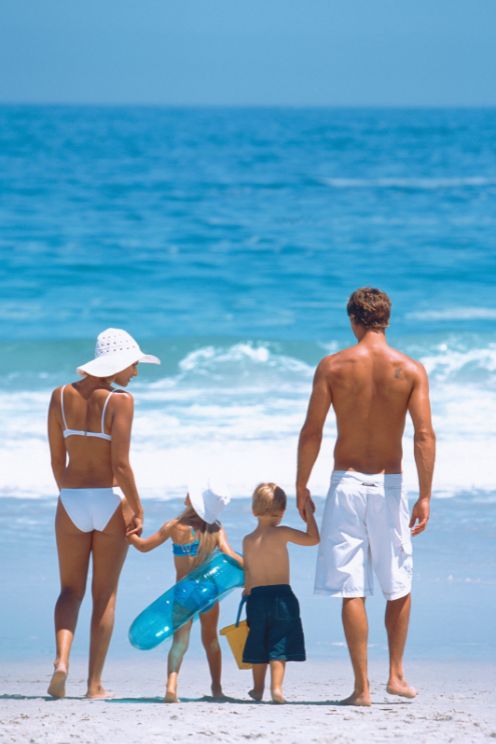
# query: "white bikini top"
[81,433]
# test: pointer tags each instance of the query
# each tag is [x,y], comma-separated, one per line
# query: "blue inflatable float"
[196,592]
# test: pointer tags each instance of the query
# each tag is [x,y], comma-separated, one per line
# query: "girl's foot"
[171,697]
[56,688]
[256,695]
[217,693]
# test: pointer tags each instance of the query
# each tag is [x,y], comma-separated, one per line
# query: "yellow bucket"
[236,637]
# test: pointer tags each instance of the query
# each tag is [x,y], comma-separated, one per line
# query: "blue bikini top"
[189,549]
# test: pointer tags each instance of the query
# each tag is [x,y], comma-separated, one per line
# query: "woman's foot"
[56,688]
[401,687]
[97,692]
[171,697]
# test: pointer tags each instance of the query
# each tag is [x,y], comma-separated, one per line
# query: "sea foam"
[237,410]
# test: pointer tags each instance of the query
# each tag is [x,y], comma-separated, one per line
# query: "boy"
[275,631]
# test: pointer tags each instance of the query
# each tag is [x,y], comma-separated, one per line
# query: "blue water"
[227,241]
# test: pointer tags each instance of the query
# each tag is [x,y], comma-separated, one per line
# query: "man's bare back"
[370,386]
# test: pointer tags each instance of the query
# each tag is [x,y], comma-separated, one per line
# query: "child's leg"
[259,672]
[174,660]
[210,641]
[277,669]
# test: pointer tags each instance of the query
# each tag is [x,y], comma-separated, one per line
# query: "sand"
[455,704]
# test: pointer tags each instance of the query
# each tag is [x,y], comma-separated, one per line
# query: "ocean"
[227,241]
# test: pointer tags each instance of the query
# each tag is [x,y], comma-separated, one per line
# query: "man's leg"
[397,619]
[356,630]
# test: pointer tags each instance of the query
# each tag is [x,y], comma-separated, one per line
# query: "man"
[366,525]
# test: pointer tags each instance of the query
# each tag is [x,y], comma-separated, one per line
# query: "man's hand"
[302,497]
[420,515]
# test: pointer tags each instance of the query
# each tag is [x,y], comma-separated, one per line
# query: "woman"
[89,430]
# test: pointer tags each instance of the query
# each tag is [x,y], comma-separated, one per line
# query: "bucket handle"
[240,609]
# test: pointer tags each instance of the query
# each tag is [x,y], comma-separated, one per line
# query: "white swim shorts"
[365,530]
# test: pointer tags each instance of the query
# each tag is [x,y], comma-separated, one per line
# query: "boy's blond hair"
[268,499]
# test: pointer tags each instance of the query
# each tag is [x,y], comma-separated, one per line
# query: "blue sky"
[317,52]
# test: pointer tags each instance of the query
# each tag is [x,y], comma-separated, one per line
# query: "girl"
[195,534]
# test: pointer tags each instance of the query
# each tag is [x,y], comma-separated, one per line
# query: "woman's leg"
[109,551]
[73,547]
[175,658]
[210,640]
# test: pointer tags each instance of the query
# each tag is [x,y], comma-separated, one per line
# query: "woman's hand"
[135,526]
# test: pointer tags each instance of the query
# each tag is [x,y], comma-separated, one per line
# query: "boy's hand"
[304,500]
[308,509]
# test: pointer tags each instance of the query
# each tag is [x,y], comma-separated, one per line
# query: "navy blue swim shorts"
[275,629]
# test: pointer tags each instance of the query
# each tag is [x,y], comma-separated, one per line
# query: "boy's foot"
[171,697]
[56,688]
[98,693]
[362,698]
[256,695]
[401,687]
[278,697]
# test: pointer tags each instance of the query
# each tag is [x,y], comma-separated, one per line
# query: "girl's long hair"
[205,533]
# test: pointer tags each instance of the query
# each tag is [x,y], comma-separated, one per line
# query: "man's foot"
[357,698]
[256,695]
[277,697]
[401,687]
[98,693]
[56,688]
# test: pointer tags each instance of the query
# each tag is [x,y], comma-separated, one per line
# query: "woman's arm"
[145,544]
[224,547]
[122,421]
[58,453]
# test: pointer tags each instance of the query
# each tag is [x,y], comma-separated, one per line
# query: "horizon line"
[248,105]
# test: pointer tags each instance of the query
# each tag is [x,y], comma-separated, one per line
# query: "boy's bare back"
[266,559]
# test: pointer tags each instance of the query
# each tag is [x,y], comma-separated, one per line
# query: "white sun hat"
[115,350]
[208,499]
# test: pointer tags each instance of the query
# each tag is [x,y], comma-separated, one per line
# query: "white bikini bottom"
[90,508]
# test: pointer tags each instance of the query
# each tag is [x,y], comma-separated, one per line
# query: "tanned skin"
[372,388]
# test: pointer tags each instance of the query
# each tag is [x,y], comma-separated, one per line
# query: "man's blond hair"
[268,499]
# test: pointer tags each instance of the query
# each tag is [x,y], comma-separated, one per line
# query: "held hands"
[304,502]
[135,526]
[420,516]
[308,509]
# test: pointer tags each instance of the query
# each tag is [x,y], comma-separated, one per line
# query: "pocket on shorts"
[286,608]
[399,515]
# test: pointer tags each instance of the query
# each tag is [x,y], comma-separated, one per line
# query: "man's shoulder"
[413,365]
[334,361]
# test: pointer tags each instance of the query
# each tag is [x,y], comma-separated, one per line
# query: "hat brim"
[112,364]
[196,493]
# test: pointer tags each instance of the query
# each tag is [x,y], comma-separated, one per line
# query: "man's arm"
[311,433]
[424,448]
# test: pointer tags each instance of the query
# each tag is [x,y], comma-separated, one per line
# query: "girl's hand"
[135,526]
